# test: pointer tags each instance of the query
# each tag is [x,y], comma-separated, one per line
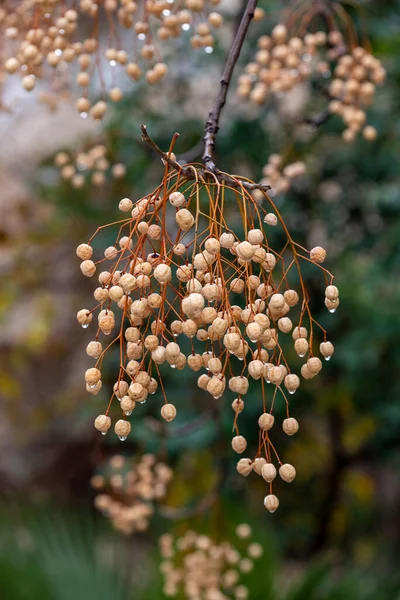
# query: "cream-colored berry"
[94,349]
[102,423]
[88,268]
[290,426]
[120,389]
[245,251]
[122,429]
[163,274]
[291,382]
[258,464]
[271,503]
[266,421]
[184,219]
[227,240]
[84,317]
[271,219]
[332,292]
[327,349]
[168,412]
[238,405]
[301,347]
[127,405]
[127,282]
[239,444]
[92,376]
[125,205]
[84,251]
[255,237]
[314,365]
[177,199]
[287,472]
[268,472]
[318,254]
[244,466]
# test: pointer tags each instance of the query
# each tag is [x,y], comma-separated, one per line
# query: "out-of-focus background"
[336,534]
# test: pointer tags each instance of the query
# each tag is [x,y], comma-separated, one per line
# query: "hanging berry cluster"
[47,41]
[88,165]
[202,568]
[353,90]
[127,491]
[279,177]
[282,62]
[183,289]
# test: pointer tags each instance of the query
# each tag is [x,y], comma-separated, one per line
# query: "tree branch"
[212,125]
[319,119]
[190,173]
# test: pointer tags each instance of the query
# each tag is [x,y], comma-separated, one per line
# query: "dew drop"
[332,310]
[302,354]
[173,366]
[104,433]
[85,326]
[327,358]
[128,412]
[122,437]
[142,402]
[93,387]
[291,392]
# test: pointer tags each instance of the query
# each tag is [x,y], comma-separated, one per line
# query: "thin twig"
[189,172]
[212,125]
[320,118]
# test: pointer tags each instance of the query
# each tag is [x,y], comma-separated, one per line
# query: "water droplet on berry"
[122,437]
[85,326]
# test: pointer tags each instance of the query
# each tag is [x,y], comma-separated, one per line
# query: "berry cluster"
[91,164]
[279,177]
[128,490]
[353,90]
[282,62]
[204,569]
[46,41]
[182,289]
